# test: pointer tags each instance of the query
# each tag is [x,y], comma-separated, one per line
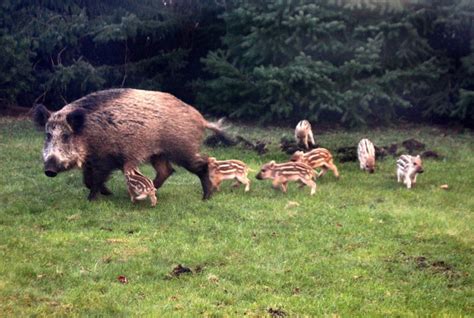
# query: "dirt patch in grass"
[215,141]
[432,266]
[430,154]
[277,312]
[177,271]
[346,154]
[440,267]
[289,146]
[14,111]
[259,146]
[413,145]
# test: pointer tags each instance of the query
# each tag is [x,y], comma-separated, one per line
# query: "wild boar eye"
[66,137]
[48,136]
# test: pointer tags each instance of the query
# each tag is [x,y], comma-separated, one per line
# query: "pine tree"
[356,62]
[57,51]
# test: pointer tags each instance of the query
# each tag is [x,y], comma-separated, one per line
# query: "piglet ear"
[40,115]
[272,163]
[76,119]
[418,156]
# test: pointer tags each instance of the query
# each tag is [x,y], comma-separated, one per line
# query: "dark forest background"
[348,62]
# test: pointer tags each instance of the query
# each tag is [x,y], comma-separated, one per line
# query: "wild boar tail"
[216,126]
[219,129]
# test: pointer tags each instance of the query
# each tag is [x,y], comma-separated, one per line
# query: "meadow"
[362,246]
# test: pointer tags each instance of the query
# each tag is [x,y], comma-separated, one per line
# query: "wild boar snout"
[51,167]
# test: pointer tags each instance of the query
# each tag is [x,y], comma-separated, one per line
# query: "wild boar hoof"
[92,196]
[207,196]
[105,191]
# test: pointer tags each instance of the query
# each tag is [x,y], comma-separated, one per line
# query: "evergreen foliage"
[354,62]
[57,51]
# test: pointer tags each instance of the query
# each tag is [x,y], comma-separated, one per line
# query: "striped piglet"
[304,134]
[408,167]
[289,171]
[228,170]
[366,155]
[139,186]
[317,158]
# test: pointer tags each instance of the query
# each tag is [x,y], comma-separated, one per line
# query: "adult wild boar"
[118,128]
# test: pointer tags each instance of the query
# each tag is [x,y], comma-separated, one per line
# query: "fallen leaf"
[73,217]
[113,240]
[107,259]
[444,186]
[213,278]
[291,204]
[122,279]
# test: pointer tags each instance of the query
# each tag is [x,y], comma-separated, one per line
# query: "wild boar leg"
[324,170]
[243,180]
[153,198]
[333,167]
[88,176]
[310,183]
[198,165]
[311,138]
[236,184]
[276,183]
[95,176]
[163,170]
[284,186]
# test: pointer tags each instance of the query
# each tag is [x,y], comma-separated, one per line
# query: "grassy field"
[363,245]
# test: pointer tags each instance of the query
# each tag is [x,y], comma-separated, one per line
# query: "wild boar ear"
[40,115]
[76,119]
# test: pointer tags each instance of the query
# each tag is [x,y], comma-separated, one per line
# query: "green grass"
[353,249]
